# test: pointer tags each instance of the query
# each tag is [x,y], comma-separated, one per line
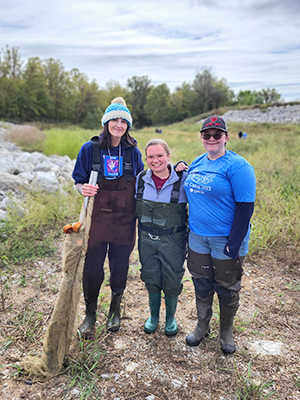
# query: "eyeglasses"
[216,136]
[159,157]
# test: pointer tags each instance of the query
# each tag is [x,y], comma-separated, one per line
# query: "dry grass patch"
[28,138]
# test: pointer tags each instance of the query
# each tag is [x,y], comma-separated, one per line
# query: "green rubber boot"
[171,326]
[154,303]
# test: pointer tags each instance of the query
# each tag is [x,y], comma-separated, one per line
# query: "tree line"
[42,90]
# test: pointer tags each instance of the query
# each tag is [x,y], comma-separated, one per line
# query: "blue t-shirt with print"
[213,187]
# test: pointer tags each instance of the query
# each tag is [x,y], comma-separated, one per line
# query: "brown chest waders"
[113,232]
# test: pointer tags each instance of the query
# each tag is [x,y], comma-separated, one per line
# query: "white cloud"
[252,44]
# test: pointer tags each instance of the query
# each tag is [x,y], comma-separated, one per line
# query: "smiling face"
[215,147]
[157,160]
[117,128]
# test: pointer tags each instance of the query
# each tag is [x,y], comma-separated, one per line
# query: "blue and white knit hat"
[117,109]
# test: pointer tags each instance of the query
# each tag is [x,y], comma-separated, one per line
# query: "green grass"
[32,227]
[83,364]
[26,324]
[273,150]
[65,141]
[250,389]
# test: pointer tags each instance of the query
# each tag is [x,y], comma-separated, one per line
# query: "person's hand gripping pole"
[88,190]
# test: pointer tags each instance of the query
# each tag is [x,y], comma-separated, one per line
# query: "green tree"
[10,92]
[57,88]
[248,98]
[183,102]
[211,93]
[158,107]
[111,90]
[224,95]
[10,63]
[84,95]
[10,82]
[33,100]
[269,95]
[139,88]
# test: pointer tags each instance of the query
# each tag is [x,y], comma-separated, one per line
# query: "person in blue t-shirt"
[113,226]
[220,188]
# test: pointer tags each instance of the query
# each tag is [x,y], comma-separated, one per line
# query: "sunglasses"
[216,136]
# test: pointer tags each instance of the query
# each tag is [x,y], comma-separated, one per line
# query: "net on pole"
[61,327]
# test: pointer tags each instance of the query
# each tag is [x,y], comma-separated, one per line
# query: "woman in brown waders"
[115,155]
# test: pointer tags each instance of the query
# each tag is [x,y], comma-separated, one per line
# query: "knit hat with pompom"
[117,109]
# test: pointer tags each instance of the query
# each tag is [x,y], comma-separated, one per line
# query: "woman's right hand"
[89,190]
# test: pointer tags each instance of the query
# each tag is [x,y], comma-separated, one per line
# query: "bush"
[32,228]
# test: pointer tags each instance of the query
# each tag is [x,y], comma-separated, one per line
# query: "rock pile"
[275,115]
[23,171]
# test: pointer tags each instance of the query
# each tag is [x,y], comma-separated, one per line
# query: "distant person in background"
[162,214]
[240,134]
[220,188]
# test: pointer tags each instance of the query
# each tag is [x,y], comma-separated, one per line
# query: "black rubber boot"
[113,319]
[87,328]
[227,313]
[204,313]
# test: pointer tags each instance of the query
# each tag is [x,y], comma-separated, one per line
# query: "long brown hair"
[105,138]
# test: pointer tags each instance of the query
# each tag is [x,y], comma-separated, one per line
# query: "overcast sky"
[253,44]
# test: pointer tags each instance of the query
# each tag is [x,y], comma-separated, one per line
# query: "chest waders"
[162,247]
[212,275]
[113,232]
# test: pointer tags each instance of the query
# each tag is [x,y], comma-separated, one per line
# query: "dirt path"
[135,365]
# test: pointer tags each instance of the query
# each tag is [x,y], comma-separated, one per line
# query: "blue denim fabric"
[214,245]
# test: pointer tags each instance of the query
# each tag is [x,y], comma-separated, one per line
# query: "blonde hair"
[154,142]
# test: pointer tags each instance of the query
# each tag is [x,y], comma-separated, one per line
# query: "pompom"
[119,100]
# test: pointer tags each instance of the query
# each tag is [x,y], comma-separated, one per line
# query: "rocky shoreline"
[22,171]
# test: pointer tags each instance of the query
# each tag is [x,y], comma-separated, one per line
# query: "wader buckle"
[153,237]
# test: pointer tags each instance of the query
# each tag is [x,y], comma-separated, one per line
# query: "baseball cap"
[214,122]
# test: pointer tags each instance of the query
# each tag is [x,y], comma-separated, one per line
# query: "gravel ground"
[135,365]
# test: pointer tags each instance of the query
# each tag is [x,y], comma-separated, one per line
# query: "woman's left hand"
[181,166]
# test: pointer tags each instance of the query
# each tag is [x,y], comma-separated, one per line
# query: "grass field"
[272,149]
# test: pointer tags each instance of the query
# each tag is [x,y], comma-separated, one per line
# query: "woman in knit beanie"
[115,154]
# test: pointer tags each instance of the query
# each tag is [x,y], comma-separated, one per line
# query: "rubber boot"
[227,313]
[113,320]
[171,326]
[204,313]
[154,303]
[87,328]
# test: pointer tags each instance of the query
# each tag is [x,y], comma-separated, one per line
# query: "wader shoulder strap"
[96,160]
[128,164]
[141,186]
[96,163]
[176,189]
